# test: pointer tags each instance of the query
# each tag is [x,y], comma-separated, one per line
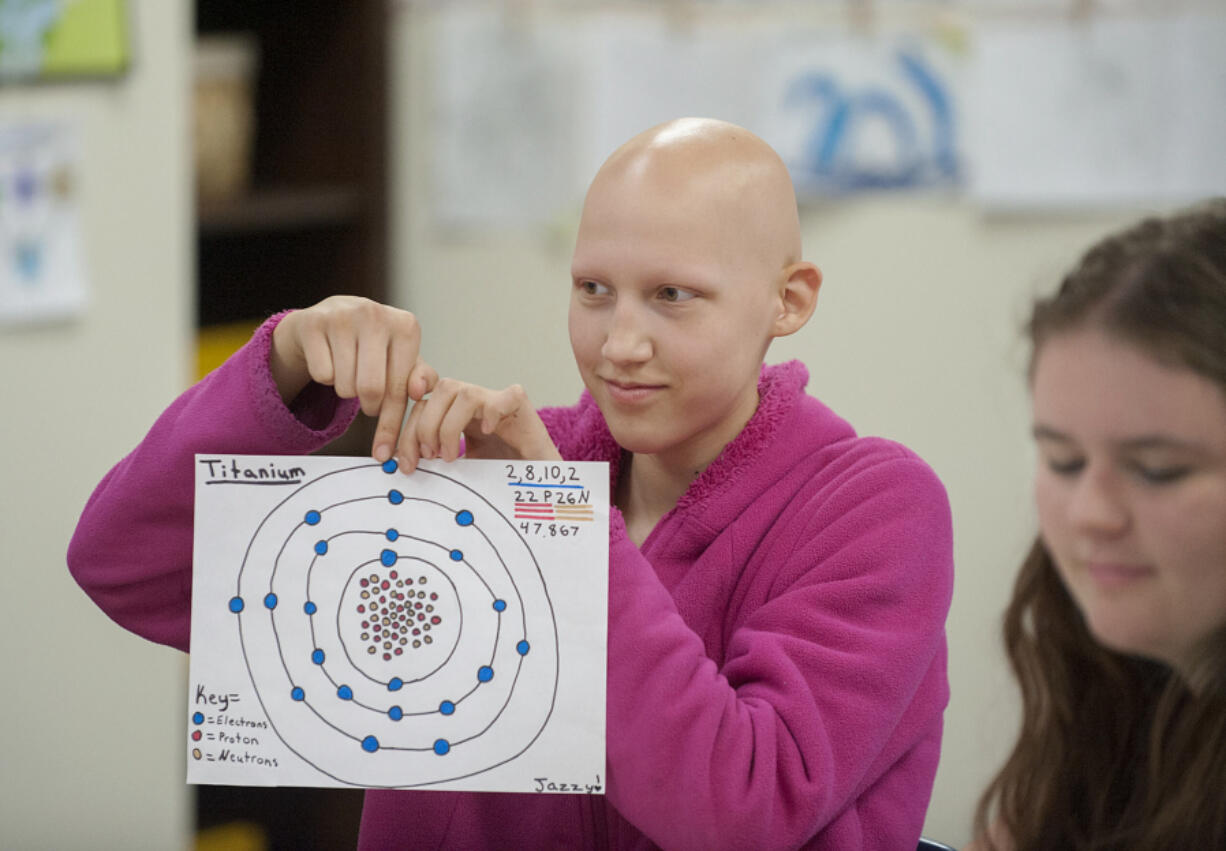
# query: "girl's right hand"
[359,348]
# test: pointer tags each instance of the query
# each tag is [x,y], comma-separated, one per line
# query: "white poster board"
[42,274]
[1100,112]
[354,626]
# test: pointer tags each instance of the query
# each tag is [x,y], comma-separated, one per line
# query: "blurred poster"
[62,38]
[503,119]
[866,113]
[527,106]
[644,70]
[1102,111]
[41,270]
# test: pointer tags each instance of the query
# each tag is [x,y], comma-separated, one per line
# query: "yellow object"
[215,343]
[235,836]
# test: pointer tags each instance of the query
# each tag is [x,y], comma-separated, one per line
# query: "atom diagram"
[401,619]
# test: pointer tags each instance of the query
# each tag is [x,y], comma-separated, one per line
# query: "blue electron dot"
[394,684]
[395,497]
[370,744]
[312,517]
[310,608]
[446,707]
[236,604]
[456,555]
[441,746]
[395,713]
[388,557]
[297,693]
[392,534]
[464,518]
[344,693]
[317,656]
[270,601]
[389,466]
[198,718]
[321,547]
[485,673]
[500,605]
[522,648]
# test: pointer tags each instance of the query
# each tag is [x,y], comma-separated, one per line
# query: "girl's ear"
[798,288]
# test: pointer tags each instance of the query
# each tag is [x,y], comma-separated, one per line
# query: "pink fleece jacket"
[776,660]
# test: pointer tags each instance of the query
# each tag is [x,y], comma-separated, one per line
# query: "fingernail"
[383,451]
[426,452]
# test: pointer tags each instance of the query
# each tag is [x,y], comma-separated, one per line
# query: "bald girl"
[777,584]
[686,266]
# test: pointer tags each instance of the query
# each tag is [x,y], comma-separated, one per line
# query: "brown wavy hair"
[1115,751]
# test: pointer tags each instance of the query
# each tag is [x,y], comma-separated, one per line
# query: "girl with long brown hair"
[1117,626]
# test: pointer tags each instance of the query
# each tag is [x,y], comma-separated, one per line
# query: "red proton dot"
[387,657]
[385,585]
[436,620]
[196,736]
[393,574]
[433,596]
[399,651]
[364,583]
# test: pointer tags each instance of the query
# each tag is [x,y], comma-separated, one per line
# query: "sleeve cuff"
[317,415]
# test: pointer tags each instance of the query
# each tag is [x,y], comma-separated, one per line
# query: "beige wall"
[91,722]
[915,338]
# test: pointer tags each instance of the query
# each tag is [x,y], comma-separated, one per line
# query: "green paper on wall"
[49,39]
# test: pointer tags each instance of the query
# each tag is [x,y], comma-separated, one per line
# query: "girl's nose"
[1098,505]
[627,340]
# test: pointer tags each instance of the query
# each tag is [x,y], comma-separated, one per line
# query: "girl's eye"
[593,288]
[675,294]
[1159,475]
[1065,467]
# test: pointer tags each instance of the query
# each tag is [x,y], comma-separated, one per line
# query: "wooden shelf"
[281,209]
[315,224]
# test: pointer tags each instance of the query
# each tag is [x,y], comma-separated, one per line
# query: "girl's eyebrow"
[1142,442]
[1044,432]
[1161,441]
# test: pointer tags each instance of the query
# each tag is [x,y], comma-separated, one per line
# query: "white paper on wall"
[643,71]
[41,268]
[354,626]
[503,130]
[1103,111]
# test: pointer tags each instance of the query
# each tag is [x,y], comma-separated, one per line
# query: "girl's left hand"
[493,423]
